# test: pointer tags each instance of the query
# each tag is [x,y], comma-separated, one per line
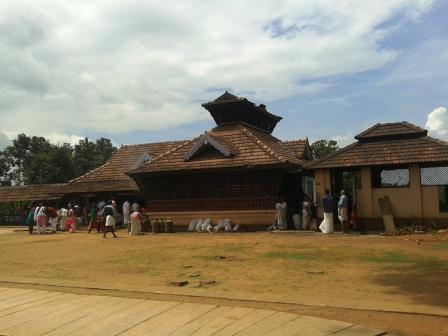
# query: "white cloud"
[115,66]
[437,122]
[344,140]
[59,138]
[4,141]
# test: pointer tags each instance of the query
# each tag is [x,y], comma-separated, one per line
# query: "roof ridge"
[93,170]
[288,141]
[265,147]
[170,151]
[153,143]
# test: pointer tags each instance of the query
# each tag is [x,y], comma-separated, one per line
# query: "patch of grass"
[440,246]
[386,258]
[397,258]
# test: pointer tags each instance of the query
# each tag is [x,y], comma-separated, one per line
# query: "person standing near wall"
[126,214]
[327,203]
[281,207]
[343,211]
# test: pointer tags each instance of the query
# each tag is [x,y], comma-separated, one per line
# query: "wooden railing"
[212,204]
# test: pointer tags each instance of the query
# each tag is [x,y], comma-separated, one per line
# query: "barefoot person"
[343,211]
[52,218]
[41,220]
[327,203]
[136,223]
[281,207]
[109,212]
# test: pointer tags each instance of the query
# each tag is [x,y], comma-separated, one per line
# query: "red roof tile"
[38,192]
[396,129]
[111,176]
[249,147]
[415,149]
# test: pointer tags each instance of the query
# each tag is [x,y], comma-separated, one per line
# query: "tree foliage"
[34,160]
[321,148]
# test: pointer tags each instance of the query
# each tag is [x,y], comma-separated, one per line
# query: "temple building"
[398,160]
[236,170]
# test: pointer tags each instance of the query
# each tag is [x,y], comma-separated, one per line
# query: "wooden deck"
[32,312]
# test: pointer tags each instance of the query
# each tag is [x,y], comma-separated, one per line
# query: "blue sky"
[138,71]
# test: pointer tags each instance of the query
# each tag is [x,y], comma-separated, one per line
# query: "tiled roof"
[41,192]
[111,176]
[397,129]
[249,146]
[422,149]
[298,147]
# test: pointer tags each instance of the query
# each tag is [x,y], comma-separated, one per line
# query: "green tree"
[89,155]
[321,148]
[52,166]
[34,160]
[20,154]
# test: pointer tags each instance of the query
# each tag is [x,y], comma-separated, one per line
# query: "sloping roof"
[249,146]
[111,176]
[300,147]
[414,149]
[208,140]
[41,192]
[402,129]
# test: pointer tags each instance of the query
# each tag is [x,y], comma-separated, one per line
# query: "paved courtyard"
[33,312]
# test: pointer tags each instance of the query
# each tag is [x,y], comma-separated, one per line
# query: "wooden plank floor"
[25,312]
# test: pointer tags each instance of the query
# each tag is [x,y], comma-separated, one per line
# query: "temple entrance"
[348,180]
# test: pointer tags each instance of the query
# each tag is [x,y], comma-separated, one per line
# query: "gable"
[209,145]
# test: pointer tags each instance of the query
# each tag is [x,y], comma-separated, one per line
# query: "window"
[434,176]
[437,176]
[443,198]
[390,177]
[309,188]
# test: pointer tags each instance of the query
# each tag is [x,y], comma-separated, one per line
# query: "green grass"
[441,246]
[386,258]
[398,258]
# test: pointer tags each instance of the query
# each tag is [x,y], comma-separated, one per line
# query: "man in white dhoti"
[127,214]
[327,203]
[281,207]
[41,220]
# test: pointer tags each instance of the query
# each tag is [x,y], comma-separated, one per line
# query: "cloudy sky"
[137,71]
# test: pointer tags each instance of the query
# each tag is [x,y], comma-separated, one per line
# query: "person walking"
[41,220]
[327,203]
[109,212]
[92,217]
[343,211]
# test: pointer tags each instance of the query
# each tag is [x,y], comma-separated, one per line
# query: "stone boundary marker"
[30,312]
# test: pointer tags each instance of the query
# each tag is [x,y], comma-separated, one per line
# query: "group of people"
[101,216]
[306,219]
[327,225]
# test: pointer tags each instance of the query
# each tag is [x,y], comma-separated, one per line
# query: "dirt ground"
[398,284]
